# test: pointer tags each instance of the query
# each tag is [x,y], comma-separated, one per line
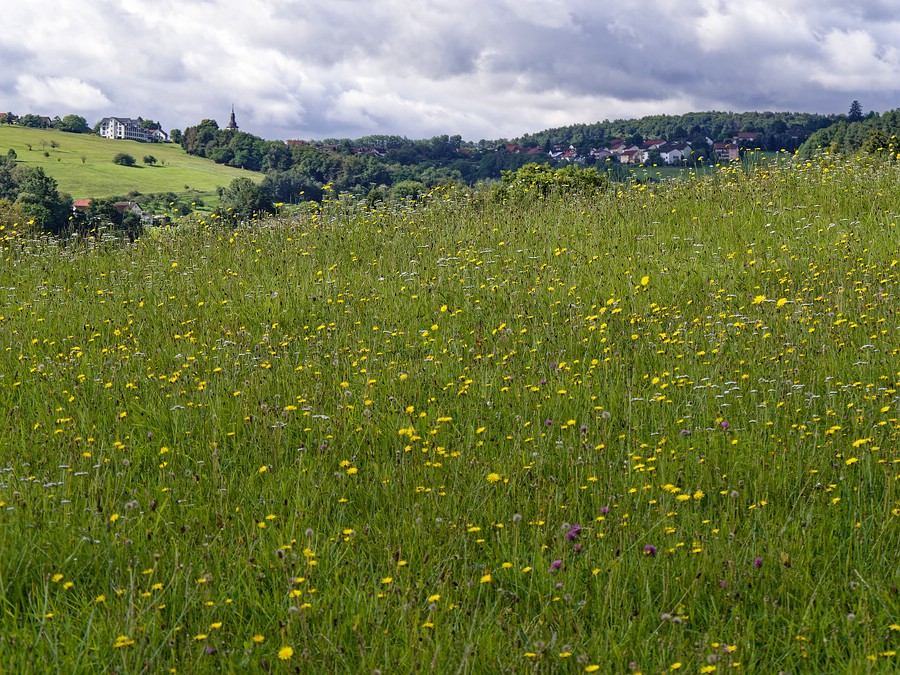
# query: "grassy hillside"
[650,430]
[82,164]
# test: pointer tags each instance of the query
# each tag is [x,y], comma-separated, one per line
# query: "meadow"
[651,430]
[82,164]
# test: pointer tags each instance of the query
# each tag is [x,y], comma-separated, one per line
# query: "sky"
[484,69]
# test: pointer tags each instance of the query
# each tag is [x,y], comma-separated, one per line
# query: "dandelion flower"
[285,653]
[122,641]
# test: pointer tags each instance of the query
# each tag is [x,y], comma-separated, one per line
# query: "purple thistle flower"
[578,548]
[604,510]
[555,565]
[574,532]
[758,562]
[724,425]
[548,423]
[649,549]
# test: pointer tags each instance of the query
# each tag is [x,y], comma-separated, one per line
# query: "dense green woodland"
[778,130]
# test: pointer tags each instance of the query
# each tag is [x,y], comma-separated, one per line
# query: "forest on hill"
[381,165]
[773,130]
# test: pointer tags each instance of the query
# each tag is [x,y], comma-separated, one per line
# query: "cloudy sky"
[480,68]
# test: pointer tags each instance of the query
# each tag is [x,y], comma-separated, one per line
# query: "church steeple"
[232,124]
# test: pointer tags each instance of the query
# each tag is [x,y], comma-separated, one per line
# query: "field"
[653,430]
[82,164]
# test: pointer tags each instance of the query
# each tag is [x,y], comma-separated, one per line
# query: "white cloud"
[853,61]
[60,92]
[316,68]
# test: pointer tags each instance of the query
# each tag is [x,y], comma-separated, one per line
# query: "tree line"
[773,131]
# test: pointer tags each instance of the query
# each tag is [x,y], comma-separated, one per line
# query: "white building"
[129,129]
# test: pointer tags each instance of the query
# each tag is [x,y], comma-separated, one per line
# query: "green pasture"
[652,429]
[82,164]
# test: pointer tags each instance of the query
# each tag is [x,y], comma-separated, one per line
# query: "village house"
[675,152]
[600,154]
[632,156]
[726,152]
[746,139]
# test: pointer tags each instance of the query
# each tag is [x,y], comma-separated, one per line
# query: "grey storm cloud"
[317,68]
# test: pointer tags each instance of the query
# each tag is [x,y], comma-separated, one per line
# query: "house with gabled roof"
[746,138]
[632,156]
[726,152]
[675,152]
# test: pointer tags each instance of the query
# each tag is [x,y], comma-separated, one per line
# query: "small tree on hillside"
[243,199]
[124,159]
[74,124]
[150,160]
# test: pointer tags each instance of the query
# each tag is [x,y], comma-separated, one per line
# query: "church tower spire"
[232,124]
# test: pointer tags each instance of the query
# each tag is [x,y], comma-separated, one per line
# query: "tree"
[149,159]
[243,199]
[654,158]
[175,136]
[856,113]
[32,121]
[877,142]
[105,213]
[11,216]
[9,188]
[74,124]
[407,189]
[124,159]
[40,200]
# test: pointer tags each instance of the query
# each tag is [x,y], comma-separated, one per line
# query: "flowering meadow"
[648,429]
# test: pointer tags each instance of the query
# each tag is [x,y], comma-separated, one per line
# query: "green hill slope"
[82,164]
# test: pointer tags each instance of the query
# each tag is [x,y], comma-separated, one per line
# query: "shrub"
[124,159]
[539,180]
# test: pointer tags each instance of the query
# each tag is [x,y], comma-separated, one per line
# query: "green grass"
[368,437]
[82,164]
